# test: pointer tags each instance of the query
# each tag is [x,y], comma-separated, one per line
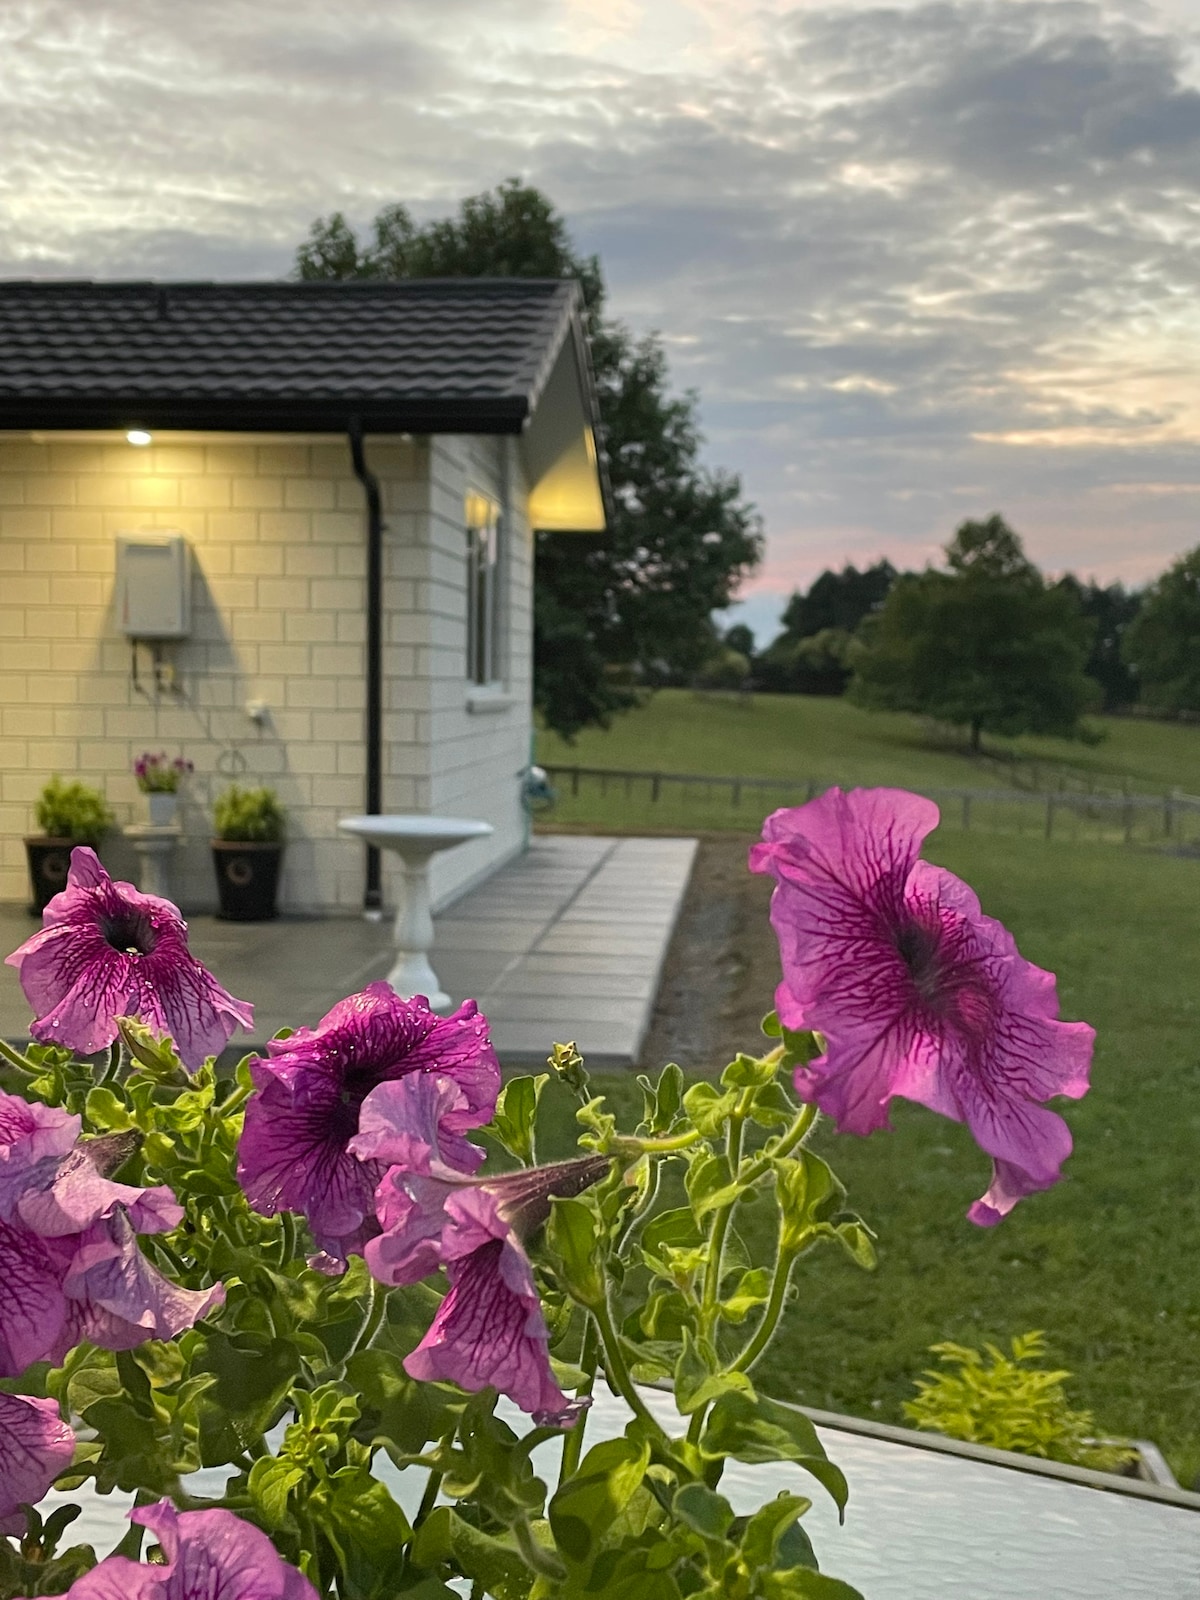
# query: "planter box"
[247,879]
[49,862]
[928,1518]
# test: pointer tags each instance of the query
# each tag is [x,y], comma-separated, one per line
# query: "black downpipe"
[373,893]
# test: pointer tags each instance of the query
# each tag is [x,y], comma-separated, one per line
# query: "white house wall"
[277,532]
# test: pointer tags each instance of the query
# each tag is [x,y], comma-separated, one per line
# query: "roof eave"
[266,414]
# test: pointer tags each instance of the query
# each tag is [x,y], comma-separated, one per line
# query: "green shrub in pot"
[73,811]
[247,846]
[249,814]
[66,814]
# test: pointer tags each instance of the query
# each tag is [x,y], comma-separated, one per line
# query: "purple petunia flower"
[489,1329]
[294,1153]
[70,1265]
[210,1555]
[106,950]
[914,990]
[35,1446]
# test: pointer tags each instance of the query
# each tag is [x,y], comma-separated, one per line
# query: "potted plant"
[67,814]
[248,828]
[159,777]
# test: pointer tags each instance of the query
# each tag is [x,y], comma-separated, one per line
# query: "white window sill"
[489,697]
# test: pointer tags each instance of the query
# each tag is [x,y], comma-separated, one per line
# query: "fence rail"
[699,797]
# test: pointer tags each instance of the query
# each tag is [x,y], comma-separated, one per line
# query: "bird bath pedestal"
[155,844]
[415,839]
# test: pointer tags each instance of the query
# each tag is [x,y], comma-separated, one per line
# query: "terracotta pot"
[247,879]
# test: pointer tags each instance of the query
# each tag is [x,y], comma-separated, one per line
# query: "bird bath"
[415,839]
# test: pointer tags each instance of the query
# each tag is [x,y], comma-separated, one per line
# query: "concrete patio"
[567,942]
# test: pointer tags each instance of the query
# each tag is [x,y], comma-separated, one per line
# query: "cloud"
[921,261]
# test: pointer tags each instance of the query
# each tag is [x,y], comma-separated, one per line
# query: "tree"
[1162,645]
[838,600]
[986,644]
[811,653]
[1112,610]
[617,611]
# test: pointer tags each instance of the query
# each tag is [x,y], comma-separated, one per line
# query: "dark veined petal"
[35,1446]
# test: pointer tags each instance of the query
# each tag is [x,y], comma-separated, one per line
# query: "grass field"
[1105,1262]
[829,740]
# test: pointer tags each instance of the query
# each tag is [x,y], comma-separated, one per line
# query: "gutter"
[373,888]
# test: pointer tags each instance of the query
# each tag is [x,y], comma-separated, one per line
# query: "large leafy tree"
[1163,644]
[632,606]
[985,644]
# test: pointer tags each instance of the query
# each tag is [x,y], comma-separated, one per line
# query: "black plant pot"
[247,879]
[49,863]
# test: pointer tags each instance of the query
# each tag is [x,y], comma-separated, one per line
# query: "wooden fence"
[1171,819]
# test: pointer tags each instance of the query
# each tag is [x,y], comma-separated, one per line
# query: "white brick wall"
[278,538]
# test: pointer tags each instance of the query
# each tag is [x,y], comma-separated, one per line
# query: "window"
[483,590]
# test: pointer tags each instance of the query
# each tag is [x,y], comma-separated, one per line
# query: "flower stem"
[763,1334]
[235,1101]
[429,1498]
[616,1369]
[589,1359]
[287,1235]
[16,1059]
[376,1309]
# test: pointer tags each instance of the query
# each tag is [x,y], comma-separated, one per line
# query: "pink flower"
[35,1446]
[489,1330]
[210,1555]
[295,1153]
[70,1265]
[914,990]
[106,950]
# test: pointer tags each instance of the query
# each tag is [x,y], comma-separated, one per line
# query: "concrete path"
[567,942]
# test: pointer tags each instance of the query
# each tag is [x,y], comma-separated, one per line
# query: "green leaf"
[573,1237]
[769,1528]
[756,1430]
[363,1521]
[516,1112]
[750,1072]
[106,1112]
[252,1373]
[444,1538]
[594,1496]
[809,1195]
[802,1583]
[664,1100]
[708,1108]
[699,1378]
[707,1513]
[270,1484]
[400,1413]
[710,1184]
[753,1289]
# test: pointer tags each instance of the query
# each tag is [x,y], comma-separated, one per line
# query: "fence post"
[737,792]
[966,813]
[574,780]
[1168,815]
[1128,820]
[1049,815]
[655,785]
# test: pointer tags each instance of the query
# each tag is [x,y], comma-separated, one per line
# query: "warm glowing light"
[139,436]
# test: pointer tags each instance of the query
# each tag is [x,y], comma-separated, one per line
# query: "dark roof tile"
[452,354]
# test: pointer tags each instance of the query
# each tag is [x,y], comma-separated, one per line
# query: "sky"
[921,262]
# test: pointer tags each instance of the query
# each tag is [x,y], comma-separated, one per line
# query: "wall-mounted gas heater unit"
[154,585]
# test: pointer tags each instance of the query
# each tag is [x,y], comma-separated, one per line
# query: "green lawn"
[807,737]
[1106,1262]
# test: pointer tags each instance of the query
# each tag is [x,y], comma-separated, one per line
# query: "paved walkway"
[567,942]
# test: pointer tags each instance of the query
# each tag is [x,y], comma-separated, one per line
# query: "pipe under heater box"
[154,585]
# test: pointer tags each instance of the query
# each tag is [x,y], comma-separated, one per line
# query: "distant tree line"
[983,641]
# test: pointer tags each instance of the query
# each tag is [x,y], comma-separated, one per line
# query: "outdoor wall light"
[139,436]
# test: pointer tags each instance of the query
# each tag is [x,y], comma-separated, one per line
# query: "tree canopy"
[1162,644]
[986,644]
[811,654]
[632,606]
